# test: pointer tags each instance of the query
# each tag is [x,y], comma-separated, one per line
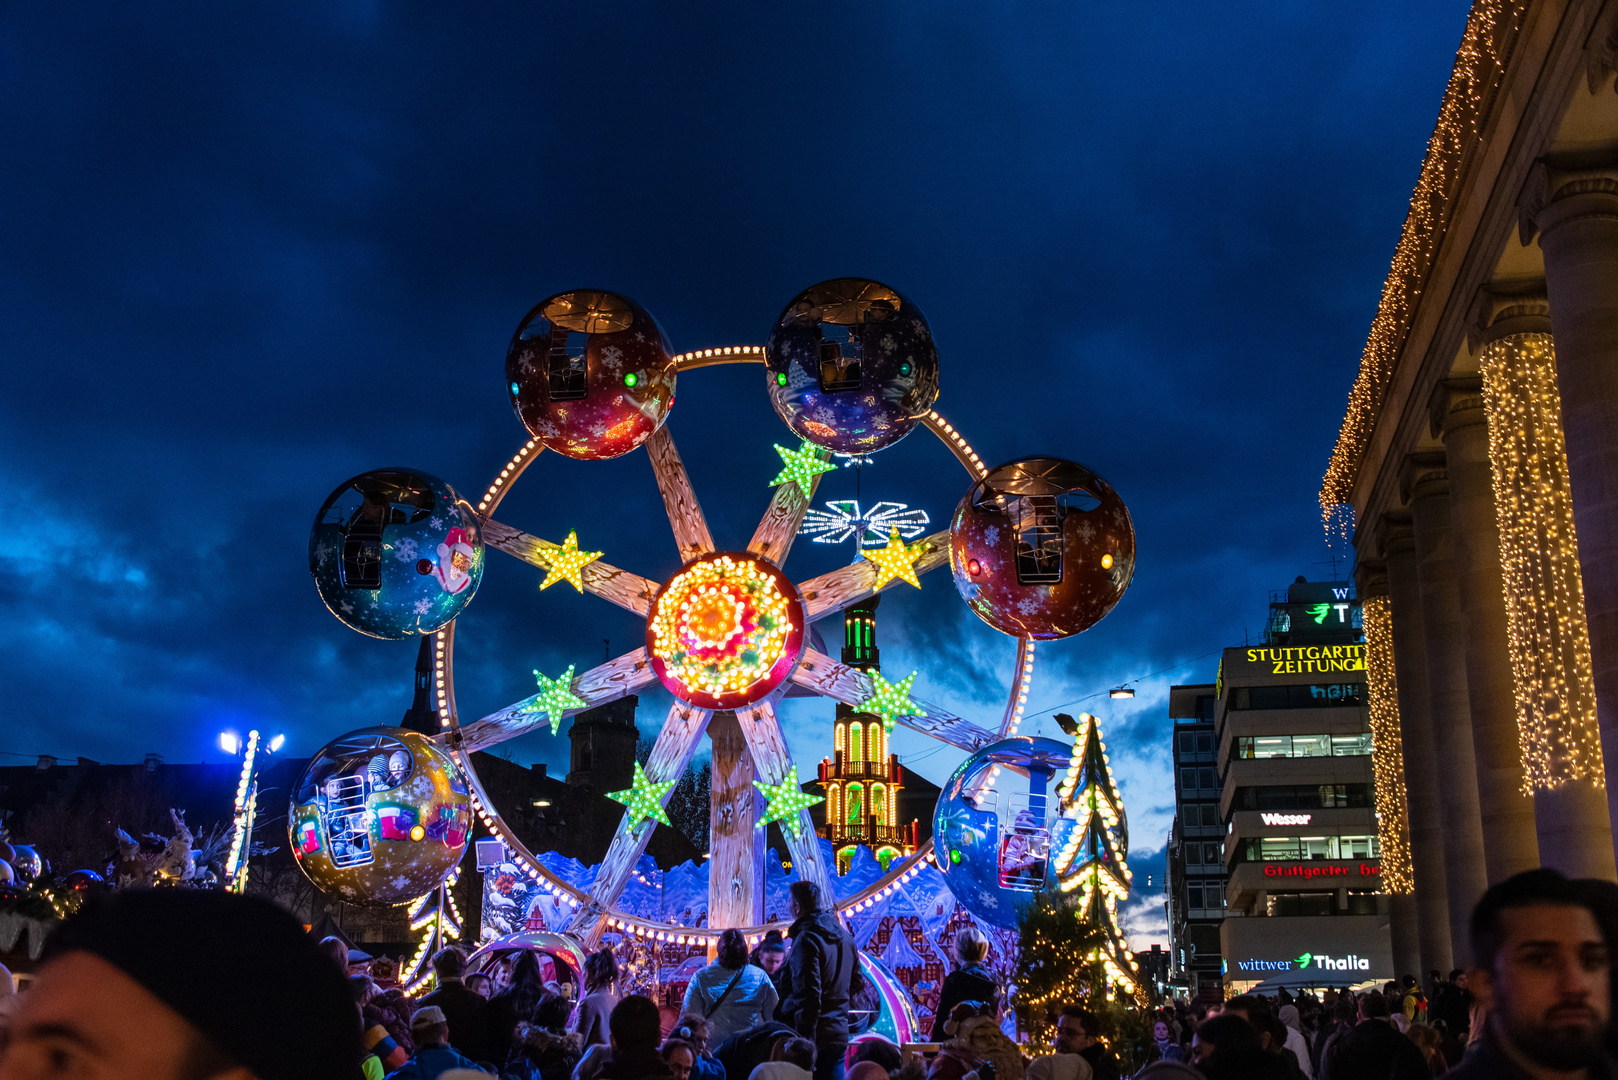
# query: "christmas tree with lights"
[439,920]
[1092,864]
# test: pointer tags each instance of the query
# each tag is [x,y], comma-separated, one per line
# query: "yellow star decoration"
[565,563]
[897,560]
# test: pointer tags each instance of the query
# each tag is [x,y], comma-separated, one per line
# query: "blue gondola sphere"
[396,553]
[997,823]
[851,365]
[381,816]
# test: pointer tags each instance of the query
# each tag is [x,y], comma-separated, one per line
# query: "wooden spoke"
[627,590]
[772,761]
[851,686]
[675,745]
[774,535]
[601,684]
[850,584]
[685,515]
[735,850]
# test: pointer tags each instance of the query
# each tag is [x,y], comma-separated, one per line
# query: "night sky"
[247,252]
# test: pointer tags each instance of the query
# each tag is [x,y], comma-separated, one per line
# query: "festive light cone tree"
[439,920]
[1093,862]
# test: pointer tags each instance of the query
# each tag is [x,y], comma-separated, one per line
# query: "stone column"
[1578,222]
[1466,874]
[1427,858]
[1507,813]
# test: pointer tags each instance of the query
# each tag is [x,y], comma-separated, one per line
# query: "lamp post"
[252,752]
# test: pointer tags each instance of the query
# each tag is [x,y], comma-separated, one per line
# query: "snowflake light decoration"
[843,520]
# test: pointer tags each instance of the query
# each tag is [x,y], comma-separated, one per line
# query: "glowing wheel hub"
[725,631]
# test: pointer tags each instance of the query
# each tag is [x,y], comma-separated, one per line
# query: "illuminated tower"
[861,779]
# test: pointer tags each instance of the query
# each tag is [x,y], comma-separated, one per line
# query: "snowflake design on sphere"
[406,550]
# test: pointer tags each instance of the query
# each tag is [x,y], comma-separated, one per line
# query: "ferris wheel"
[1040,548]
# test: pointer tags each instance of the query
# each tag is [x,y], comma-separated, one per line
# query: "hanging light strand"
[1546,631]
[1387,748]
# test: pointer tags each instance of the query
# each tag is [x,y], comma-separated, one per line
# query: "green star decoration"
[645,797]
[800,467]
[555,697]
[785,800]
[891,700]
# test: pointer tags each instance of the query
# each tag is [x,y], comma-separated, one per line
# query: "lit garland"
[1546,630]
[1490,35]
[439,920]
[1094,860]
[721,629]
[242,821]
[1387,748]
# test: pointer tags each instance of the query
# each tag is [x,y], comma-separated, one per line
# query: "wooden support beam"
[836,589]
[627,590]
[603,683]
[671,754]
[735,851]
[685,515]
[771,761]
[773,538]
[838,681]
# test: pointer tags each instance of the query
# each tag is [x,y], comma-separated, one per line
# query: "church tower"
[862,780]
[421,716]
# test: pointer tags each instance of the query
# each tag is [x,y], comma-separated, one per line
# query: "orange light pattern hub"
[725,631]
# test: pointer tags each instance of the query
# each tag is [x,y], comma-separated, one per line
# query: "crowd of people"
[192,984]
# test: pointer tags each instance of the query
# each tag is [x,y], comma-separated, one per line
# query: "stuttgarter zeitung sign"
[1293,659]
[1302,963]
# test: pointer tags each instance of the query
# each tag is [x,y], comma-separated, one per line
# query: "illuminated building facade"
[1196,864]
[861,779]
[1474,469]
[1302,851]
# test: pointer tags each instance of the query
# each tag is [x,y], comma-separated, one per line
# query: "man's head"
[1373,1006]
[1227,1035]
[805,898]
[635,1027]
[1458,977]
[1345,1009]
[680,1057]
[1543,963]
[771,957]
[449,963]
[1248,1007]
[799,1052]
[429,1027]
[124,993]
[1076,1030]
[693,1029]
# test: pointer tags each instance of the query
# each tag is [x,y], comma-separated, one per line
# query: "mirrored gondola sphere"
[27,863]
[1041,548]
[381,816]
[590,373]
[396,553]
[851,365]
[996,829]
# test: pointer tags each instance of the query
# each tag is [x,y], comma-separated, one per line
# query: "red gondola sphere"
[1041,548]
[590,373]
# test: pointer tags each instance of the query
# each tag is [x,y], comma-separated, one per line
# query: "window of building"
[856,801]
[1311,903]
[1360,902]
[1188,779]
[1210,854]
[1304,696]
[1205,778]
[1293,746]
[1210,816]
[1205,742]
[1303,796]
[1187,742]
[1193,895]
[1278,848]
[855,742]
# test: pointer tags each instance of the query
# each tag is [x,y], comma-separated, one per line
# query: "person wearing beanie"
[125,993]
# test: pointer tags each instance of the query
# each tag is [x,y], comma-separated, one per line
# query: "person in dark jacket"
[433,1053]
[635,1028]
[465,1010]
[972,981]
[747,1050]
[820,974]
[514,1005]
[1374,1048]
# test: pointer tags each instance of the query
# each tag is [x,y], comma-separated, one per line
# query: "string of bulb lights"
[1387,748]
[1546,631]
[1491,33]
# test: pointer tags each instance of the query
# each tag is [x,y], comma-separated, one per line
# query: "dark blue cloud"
[246,252]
